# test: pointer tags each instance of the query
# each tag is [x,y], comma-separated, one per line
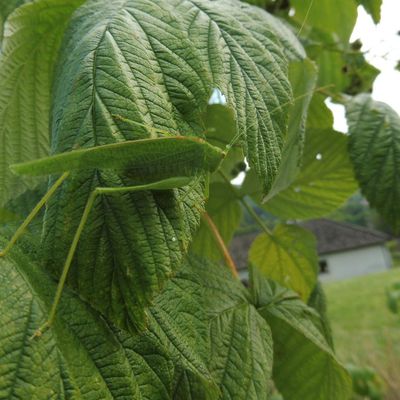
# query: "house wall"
[356,262]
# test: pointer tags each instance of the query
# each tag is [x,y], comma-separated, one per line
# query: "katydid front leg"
[20,231]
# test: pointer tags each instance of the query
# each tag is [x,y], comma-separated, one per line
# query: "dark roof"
[331,237]
[335,236]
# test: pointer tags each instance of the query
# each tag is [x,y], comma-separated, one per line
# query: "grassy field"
[365,331]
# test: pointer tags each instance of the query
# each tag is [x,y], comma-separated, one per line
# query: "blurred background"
[359,256]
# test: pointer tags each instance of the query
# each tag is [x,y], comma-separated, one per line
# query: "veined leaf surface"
[240,358]
[303,76]
[304,364]
[84,356]
[205,341]
[288,256]
[33,35]
[375,152]
[155,63]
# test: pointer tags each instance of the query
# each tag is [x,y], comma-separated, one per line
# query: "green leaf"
[375,152]
[240,48]
[29,52]
[288,256]
[332,70]
[302,76]
[79,356]
[84,356]
[361,74]
[304,365]
[241,348]
[155,64]
[220,125]
[342,67]
[337,18]
[265,26]
[325,180]
[220,129]
[224,209]
[319,115]
[372,7]
[318,302]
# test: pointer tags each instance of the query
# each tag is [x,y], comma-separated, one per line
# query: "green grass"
[365,331]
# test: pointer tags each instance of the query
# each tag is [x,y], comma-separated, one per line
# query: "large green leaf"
[240,341]
[375,152]
[261,24]
[303,76]
[224,209]
[29,52]
[84,356]
[325,180]
[203,333]
[241,45]
[304,365]
[288,256]
[155,63]
[334,17]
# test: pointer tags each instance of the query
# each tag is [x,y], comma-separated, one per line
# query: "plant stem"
[250,210]
[33,214]
[256,218]
[221,244]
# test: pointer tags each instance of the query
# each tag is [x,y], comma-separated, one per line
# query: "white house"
[347,250]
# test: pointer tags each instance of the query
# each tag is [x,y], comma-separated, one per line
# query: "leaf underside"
[374,148]
[288,256]
[155,64]
[202,331]
[33,35]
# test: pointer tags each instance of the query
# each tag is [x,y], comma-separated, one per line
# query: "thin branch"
[221,244]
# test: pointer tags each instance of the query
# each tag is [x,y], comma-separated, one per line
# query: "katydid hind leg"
[67,265]
[105,191]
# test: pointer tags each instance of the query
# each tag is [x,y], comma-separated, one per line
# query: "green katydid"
[183,160]
[156,163]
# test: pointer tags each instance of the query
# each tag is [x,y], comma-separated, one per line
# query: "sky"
[381,45]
